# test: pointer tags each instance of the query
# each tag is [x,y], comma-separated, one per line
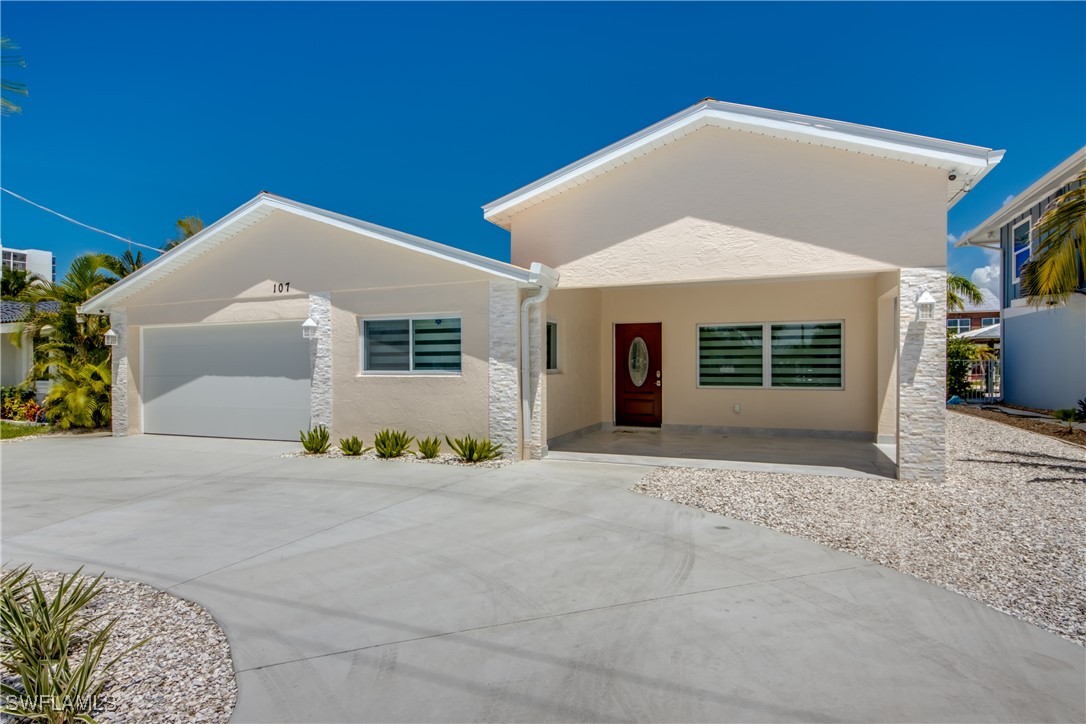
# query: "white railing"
[985,381]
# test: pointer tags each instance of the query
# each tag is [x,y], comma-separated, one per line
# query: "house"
[1043,348]
[727,268]
[36,261]
[974,316]
[15,361]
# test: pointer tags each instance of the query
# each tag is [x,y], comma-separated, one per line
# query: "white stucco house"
[729,267]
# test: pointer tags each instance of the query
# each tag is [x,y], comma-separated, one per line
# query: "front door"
[639,393]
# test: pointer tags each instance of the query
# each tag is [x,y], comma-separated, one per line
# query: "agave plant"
[392,443]
[472,450]
[352,446]
[315,440]
[429,447]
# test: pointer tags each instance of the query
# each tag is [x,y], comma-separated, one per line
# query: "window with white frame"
[989,321]
[14,260]
[420,345]
[1020,237]
[552,346]
[957,326]
[799,354]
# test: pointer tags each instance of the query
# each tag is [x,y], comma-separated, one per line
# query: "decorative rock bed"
[441,459]
[1005,528]
[184,673]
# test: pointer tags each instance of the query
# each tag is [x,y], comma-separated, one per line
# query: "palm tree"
[186,227]
[80,395]
[960,290]
[15,281]
[1056,270]
[7,105]
[125,264]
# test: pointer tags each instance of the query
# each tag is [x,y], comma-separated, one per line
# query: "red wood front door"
[639,392]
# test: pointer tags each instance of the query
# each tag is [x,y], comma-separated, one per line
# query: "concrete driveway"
[356,591]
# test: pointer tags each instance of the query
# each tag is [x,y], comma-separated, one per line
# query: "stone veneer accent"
[118,320]
[538,382]
[921,446]
[320,355]
[504,401]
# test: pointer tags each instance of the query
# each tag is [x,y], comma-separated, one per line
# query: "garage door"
[227,380]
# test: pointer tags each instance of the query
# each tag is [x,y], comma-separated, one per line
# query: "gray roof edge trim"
[950,151]
[230,224]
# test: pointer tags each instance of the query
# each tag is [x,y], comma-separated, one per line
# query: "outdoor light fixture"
[309,329]
[925,307]
[111,338]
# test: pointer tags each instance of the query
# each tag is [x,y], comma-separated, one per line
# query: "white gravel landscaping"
[441,459]
[184,673]
[1008,527]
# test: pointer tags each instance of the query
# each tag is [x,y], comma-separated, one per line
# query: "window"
[552,346]
[957,326]
[423,345]
[800,354]
[14,260]
[989,321]
[1020,236]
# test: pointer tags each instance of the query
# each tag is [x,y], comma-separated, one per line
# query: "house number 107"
[280,287]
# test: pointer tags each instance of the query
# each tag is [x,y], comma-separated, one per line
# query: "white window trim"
[990,320]
[363,372]
[956,326]
[1028,221]
[558,344]
[767,356]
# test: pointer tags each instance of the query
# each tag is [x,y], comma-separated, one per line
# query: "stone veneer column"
[504,400]
[320,354]
[537,446]
[118,321]
[921,441]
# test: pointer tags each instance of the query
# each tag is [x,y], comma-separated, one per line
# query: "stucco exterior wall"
[680,309]
[886,291]
[720,204]
[574,391]
[359,277]
[1044,355]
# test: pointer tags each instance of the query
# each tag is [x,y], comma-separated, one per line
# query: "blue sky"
[413,115]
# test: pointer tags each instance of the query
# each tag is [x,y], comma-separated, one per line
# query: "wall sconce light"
[111,338]
[925,307]
[309,329]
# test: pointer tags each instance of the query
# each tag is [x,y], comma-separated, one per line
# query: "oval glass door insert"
[638,361]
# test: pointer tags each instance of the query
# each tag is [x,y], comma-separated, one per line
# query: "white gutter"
[546,278]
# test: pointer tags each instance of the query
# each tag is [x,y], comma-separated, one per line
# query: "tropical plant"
[80,394]
[16,281]
[125,264]
[960,290]
[186,227]
[352,446]
[472,450]
[961,353]
[12,400]
[1081,406]
[7,87]
[392,443]
[1056,270]
[1069,416]
[37,632]
[429,447]
[315,440]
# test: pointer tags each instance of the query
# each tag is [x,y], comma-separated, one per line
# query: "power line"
[79,223]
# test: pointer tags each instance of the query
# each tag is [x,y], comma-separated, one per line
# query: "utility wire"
[80,223]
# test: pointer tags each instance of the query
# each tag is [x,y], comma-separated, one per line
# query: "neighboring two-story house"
[1043,348]
[728,268]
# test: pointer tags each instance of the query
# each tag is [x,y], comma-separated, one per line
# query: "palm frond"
[959,290]
[1056,270]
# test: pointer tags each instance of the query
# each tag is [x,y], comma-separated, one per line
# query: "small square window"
[552,346]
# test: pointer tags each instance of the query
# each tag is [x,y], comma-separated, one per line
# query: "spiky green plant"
[429,447]
[1056,270]
[352,446]
[960,290]
[80,395]
[472,450]
[1069,416]
[315,440]
[392,443]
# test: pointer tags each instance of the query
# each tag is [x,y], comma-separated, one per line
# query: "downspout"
[546,279]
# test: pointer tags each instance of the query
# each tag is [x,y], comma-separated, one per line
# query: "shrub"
[429,447]
[14,403]
[316,440]
[392,443]
[1069,416]
[37,635]
[1082,407]
[352,446]
[471,450]
[960,356]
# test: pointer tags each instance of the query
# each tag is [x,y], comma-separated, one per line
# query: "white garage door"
[227,380]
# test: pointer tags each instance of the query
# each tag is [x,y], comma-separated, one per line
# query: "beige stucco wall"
[574,392]
[721,204]
[886,291]
[680,309]
[365,277]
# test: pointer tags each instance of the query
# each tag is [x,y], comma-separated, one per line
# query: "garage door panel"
[245,380]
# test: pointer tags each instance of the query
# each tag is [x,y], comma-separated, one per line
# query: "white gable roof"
[967,163]
[262,206]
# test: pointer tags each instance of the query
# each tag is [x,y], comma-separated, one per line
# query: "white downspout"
[546,278]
